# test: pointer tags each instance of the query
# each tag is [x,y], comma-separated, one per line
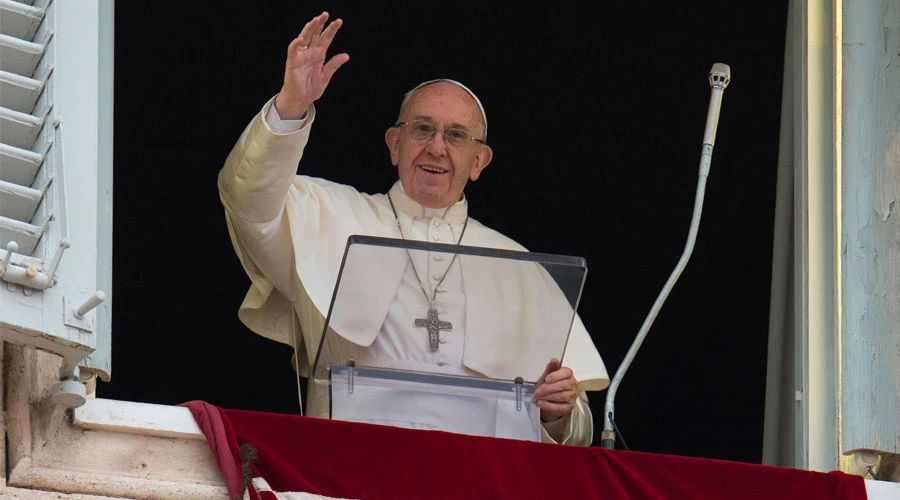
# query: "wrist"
[549,420]
[289,110]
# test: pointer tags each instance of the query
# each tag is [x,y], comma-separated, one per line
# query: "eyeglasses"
[423,131]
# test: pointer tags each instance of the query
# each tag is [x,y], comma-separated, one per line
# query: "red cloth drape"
[372,462]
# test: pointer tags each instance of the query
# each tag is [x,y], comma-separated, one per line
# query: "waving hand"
[306,71]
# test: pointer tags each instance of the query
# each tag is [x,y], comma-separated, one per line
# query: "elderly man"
[290,230]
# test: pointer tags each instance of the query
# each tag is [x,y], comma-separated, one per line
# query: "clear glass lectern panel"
[442,336]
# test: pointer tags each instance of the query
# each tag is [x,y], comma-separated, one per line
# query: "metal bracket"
[67,393]
[30,278]
[351,371]
[520,391]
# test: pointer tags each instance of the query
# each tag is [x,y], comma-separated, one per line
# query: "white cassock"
[290,232]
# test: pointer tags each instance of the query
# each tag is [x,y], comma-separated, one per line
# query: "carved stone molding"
[114,449]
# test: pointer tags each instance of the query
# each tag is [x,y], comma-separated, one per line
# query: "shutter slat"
[19,202]
[19,93]
[19,19]
[19,56]
[18,165]
[24,234]
[24,74]
[19,129]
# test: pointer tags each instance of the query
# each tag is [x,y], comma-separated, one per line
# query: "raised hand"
[306,72]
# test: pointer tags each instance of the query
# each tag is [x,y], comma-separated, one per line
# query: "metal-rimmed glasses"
[422,131]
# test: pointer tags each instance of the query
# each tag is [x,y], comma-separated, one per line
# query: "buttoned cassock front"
[290,232]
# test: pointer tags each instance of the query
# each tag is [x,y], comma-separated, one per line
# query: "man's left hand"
[557,391]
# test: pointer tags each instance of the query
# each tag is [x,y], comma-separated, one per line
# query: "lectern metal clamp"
[520,391]
[351,371]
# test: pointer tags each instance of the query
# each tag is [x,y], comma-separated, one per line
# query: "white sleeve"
[576,429]
[279,126]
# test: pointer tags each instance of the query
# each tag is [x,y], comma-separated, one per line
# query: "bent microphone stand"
[719,77]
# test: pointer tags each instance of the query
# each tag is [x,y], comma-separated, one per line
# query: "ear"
[482,159]
[392,139]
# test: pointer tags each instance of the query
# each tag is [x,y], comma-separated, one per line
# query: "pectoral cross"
[434,326]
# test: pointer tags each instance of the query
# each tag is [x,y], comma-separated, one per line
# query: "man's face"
[433,172]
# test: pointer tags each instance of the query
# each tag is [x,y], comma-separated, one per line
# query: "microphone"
[719,78]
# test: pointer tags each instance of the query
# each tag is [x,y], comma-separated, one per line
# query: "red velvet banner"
[364,461]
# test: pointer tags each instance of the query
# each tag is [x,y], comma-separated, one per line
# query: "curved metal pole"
[719,78]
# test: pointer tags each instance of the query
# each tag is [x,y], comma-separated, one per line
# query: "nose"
[436,144]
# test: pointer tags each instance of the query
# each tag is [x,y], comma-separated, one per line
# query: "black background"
[596,115]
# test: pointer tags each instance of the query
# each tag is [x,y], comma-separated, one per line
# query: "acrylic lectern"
[447,337]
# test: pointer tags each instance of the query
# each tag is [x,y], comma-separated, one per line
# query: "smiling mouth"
[432,170]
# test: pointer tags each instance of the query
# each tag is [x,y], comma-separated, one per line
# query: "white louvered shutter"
[56,177]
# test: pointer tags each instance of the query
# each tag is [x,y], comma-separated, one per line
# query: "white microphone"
[719,77]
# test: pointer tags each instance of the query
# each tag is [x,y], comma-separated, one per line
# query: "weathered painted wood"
[870,227]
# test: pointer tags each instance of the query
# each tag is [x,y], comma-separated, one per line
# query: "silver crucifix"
[434,325]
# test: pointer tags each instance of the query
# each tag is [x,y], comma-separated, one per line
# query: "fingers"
[295,46]
[307,73]
[313,42]
[316,34]
[313,28]
[562,390]
[555,404]
[328,34]
[562,375]
[558,383]
[557,391]
[551,367]
[334,63]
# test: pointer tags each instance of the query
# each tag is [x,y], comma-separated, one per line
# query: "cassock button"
[436,277]
[442,363]
[443,340]
[438,257]
[435,237]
